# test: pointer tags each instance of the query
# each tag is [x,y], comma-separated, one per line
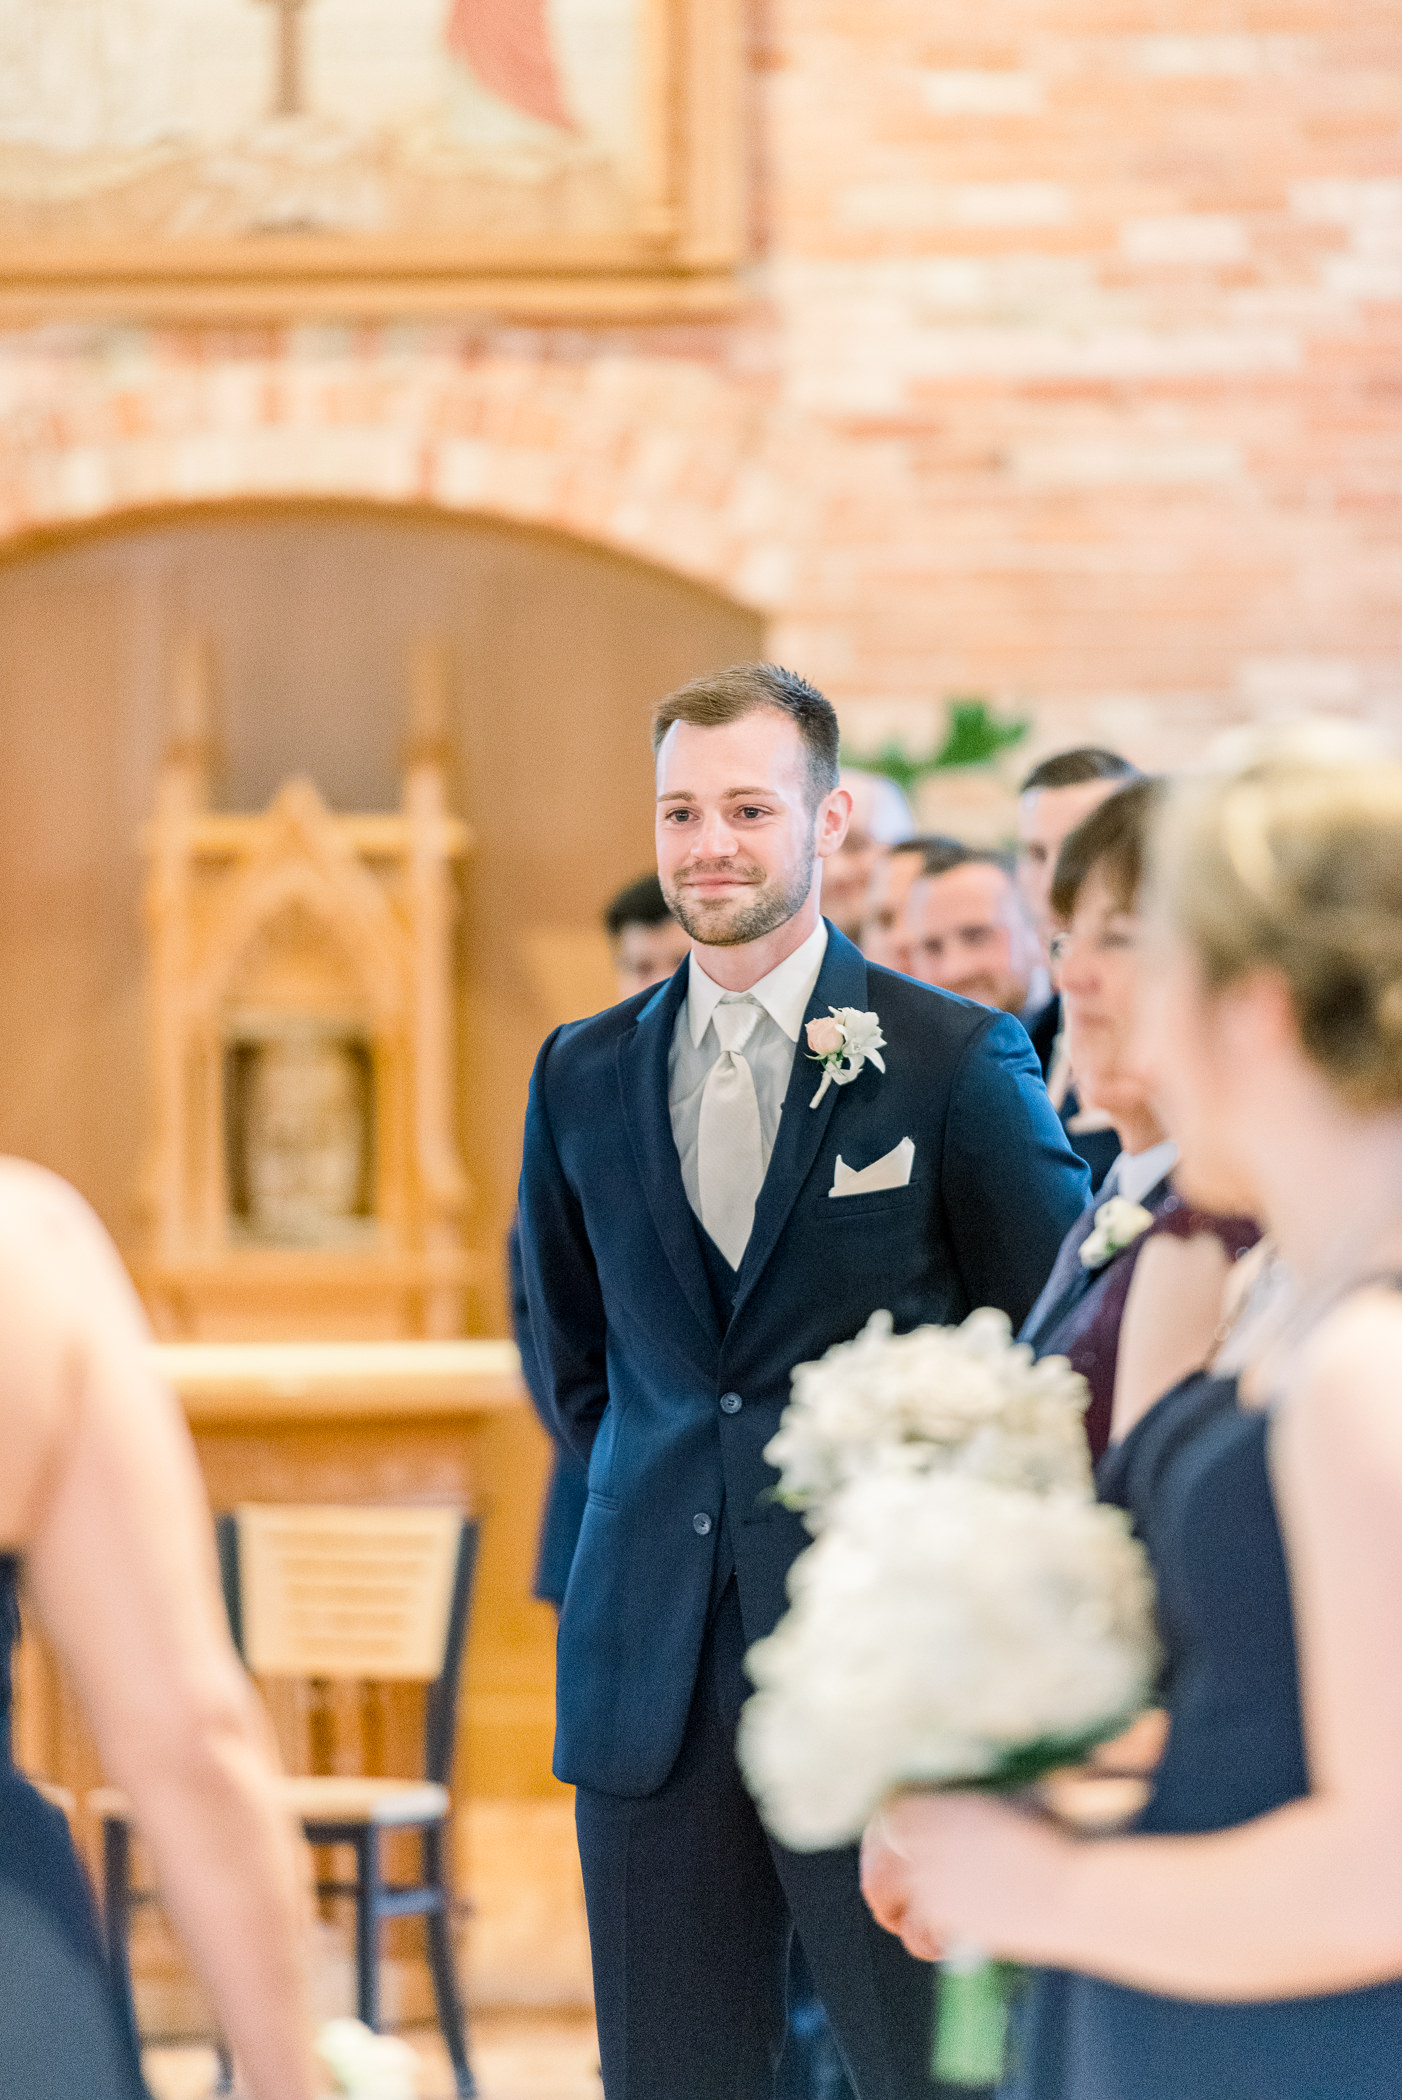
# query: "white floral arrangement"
[1118,1224]
[943,1631]
[365,2065]
[842,1041]
[965,1400]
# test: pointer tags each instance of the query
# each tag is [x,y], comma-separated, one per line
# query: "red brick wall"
[1071,373]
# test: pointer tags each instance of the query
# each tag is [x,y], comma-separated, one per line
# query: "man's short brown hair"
[718,697]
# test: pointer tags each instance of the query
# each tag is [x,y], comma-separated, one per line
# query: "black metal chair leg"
[452,2018]
[367,1927]
[116,1915]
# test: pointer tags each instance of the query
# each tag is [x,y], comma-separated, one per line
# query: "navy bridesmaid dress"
[1194,1474]
[63,2035]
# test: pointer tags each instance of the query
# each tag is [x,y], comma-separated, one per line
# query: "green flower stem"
[972,1995]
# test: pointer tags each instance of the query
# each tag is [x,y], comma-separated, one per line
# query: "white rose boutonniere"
[1118,1224]
[843,1045]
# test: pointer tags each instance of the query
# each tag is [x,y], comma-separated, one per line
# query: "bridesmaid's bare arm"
[103,1497]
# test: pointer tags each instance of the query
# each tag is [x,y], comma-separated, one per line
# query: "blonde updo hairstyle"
[1293,862]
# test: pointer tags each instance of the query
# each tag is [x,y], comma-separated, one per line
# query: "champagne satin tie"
[729,1148]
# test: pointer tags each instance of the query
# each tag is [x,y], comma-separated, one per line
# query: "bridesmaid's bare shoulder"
[50,1236]
[1342,1409]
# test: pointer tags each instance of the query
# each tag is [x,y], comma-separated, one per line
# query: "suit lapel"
[1068,1283]
[642,1082]
[842,981]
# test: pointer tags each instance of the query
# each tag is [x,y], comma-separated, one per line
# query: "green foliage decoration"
[974,736]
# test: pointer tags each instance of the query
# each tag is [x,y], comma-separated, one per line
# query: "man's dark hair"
[942,853]
[1112,841]
[925,843]
[1073,769]
[641,904]
[728,696]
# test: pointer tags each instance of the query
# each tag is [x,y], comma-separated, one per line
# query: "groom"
[694,1222]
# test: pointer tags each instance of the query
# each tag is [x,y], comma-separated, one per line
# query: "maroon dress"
[1089,1336]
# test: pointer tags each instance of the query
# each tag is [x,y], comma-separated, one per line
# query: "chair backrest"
[380,1594]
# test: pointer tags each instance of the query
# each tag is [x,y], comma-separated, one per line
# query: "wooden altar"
[303,1175]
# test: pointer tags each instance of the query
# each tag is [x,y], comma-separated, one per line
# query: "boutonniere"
[1118,1224]
[842,1046]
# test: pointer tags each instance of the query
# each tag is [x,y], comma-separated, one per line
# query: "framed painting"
[186,158]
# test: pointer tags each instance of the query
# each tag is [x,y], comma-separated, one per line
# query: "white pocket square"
[891,1171]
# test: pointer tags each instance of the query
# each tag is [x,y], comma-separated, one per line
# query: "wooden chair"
[331,1594]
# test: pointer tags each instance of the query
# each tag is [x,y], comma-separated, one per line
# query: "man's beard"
[999,993]
[731,922]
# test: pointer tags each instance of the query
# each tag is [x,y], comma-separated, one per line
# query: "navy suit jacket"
[643,1376]
[563,1511]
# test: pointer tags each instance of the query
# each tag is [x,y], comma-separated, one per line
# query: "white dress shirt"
[782,998]
[1135,1173]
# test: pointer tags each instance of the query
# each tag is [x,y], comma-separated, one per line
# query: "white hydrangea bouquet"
[968,1615]
[965,1400]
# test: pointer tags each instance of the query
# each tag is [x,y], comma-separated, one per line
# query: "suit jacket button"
[730,1403]
[701,1523]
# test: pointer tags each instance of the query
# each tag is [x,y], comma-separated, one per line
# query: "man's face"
[847,876]
[1045,819]
[644,955]
[969,934]
[885,937]
[738,844]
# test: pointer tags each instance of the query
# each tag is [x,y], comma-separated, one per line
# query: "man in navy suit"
[698,1214]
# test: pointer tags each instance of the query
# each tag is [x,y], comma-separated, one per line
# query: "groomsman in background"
[969,931]
[646,944]
[884,936]
[1056,796]
[644,939]
[881,819]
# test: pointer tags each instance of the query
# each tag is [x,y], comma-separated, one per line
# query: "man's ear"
[830,825]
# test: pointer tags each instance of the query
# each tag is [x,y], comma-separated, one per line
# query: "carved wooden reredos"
[303,1176]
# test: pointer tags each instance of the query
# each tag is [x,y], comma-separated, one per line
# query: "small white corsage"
[843,1045]
[1118,1224]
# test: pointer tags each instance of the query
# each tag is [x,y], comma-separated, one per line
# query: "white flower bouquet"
[968,1615]
[966,1400]
[943,1632]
